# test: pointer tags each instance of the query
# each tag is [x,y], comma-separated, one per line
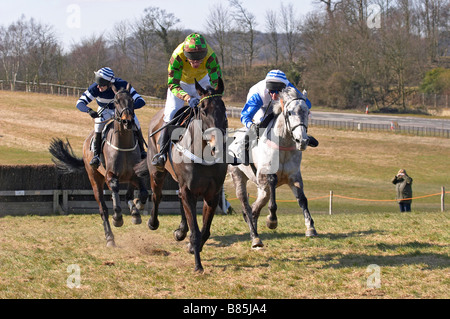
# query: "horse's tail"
[64,158]
[141,168]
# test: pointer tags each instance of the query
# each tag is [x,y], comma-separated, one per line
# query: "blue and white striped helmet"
[104,76]
[276,80]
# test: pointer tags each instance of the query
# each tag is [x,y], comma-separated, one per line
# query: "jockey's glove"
[93,113]
[193,102]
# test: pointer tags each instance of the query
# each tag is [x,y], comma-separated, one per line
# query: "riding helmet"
[104,76]
[195,47]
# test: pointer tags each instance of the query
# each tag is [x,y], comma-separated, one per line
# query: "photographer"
[403,186]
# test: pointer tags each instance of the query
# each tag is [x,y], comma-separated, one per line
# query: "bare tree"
[87,57]
[219,22]
[290,25]
[245,24]
[272,33]
[161,23]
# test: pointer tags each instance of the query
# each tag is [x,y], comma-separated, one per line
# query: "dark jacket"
[403,186]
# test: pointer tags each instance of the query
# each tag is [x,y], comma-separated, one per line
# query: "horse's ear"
[201,91]
[220,86]
[128,87]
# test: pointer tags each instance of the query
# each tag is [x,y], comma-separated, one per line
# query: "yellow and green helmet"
[195,47]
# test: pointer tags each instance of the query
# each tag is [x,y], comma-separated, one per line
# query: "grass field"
[411,250]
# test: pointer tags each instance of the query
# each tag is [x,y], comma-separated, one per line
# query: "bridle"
[119,114]
[287,114]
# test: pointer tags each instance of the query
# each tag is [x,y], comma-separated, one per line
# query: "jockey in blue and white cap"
[102,92]
[260,96]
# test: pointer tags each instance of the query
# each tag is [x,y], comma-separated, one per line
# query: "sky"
[74,20]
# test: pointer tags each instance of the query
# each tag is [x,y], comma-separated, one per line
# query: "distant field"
[362,242]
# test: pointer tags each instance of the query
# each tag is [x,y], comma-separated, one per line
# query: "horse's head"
[124,106]
[212,113]
[295,112]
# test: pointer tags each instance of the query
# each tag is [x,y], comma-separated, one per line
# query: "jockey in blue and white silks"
[102,92]
[258,105]
[261,94]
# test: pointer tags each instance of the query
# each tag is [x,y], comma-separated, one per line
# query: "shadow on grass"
[227,240]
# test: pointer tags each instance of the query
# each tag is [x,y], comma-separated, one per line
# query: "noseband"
[119,115]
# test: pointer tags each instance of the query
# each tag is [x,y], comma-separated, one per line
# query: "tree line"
[346,53]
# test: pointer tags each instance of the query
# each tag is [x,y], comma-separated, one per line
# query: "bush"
[436,81]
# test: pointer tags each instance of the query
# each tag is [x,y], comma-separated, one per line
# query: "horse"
[120,153]
[196,162]
[276,161]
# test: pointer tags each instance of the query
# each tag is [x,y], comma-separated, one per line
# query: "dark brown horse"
[120,153]
[196,162]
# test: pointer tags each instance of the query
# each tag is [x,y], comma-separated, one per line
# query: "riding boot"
[159,160]
[141,141]
[312,141]
[95,162]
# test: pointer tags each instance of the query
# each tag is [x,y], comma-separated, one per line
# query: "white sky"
[74,20]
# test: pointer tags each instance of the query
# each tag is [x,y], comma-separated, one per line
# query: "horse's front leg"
[156,183]
[209,208]
[189,204]
[240,183]
[113,183]
[271,220]
[181,232]
[97,183]
[129,197]
[297,189]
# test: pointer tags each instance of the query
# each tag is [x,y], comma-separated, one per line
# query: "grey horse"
[275,161]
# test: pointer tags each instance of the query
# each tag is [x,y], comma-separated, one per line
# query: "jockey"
[102,92]
[260,97]
[192,60]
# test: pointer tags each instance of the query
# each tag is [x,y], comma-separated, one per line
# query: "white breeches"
[173,104]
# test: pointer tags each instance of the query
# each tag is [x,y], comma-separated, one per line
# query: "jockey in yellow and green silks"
[192,60]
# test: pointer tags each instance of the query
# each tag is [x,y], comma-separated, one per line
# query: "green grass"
[411,250]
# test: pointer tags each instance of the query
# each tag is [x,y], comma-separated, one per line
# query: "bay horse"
[196,162]
[120,153]
[276,161]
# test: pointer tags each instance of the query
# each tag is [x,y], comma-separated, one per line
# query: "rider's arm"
[86,98]
[250,108]
[175,73]
[214,71]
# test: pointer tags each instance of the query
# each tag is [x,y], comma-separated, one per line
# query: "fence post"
[331,202]
[443,199]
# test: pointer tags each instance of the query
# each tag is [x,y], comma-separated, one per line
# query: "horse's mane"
[287,93]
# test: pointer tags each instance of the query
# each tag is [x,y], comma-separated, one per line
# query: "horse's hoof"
[190,248]
[136,219]
[110,243]
[257,243]
[118,222]
[311,232]
[271,223]
[199,269]
[179,235]
[154,225]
